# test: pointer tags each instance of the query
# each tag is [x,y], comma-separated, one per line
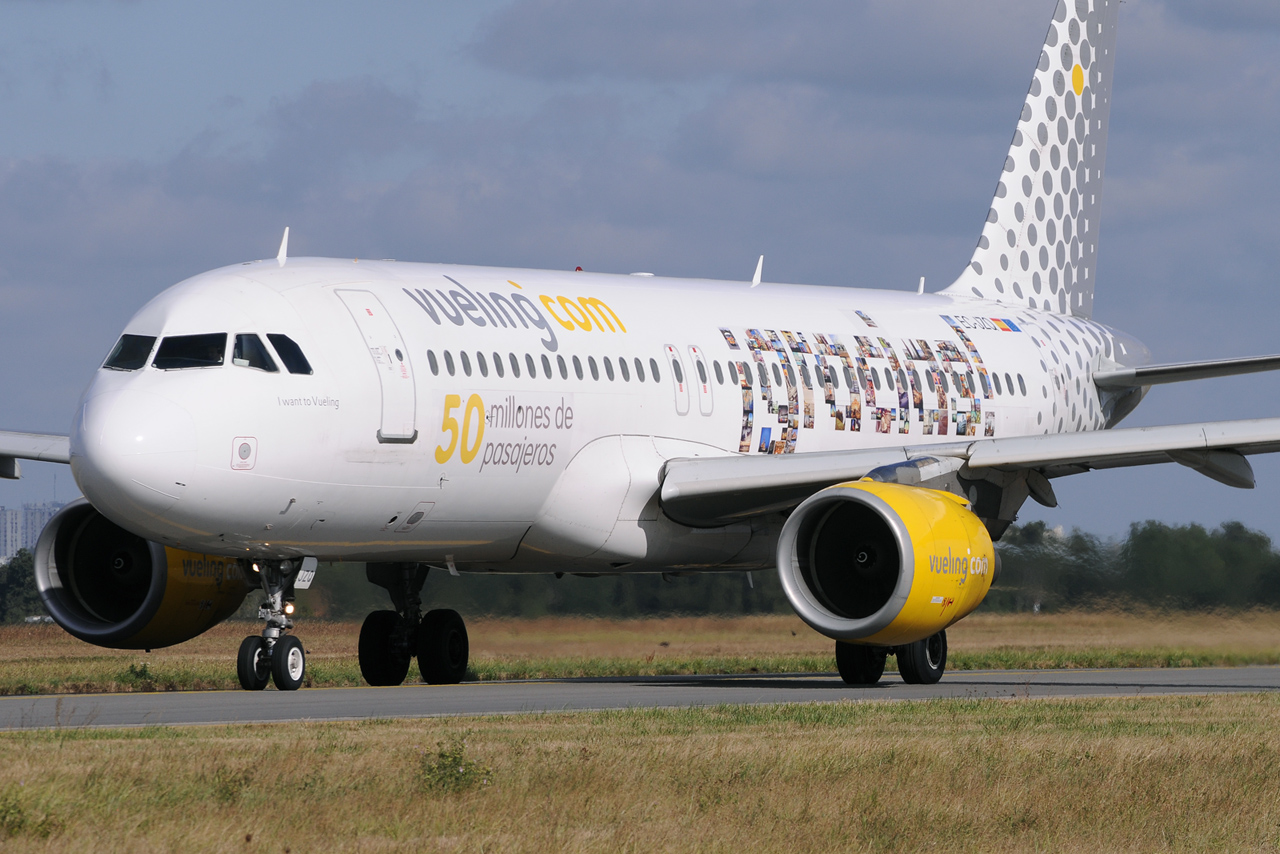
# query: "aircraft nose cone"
[133,452]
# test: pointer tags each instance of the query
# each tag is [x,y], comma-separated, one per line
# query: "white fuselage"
[409,442]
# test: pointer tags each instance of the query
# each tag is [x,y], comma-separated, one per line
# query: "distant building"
[20,527]
[10,533]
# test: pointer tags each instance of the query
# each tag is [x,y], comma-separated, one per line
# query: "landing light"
[255,568]
[288,608]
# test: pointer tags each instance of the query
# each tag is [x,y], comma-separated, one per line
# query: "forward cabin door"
[391,360]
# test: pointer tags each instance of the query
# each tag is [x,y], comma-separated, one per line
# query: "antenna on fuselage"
[755,280]
[284,248]
[920,289]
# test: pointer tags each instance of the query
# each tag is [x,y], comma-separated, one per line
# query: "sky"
[852,142]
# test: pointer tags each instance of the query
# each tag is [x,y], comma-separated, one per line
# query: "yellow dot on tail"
[1077,80]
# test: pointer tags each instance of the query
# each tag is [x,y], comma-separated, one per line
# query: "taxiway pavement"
[556,695]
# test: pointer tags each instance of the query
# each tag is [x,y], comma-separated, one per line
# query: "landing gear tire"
[288,663]
[443,648]
[923,662]
[382,662]
[253,665]
[860,664]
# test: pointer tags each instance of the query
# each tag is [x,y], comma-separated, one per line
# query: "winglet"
[284,247]
[755,280]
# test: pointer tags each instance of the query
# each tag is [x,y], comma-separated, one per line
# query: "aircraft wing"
[706,491]
[46,447]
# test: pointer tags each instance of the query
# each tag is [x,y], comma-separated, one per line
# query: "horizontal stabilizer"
[1184,371]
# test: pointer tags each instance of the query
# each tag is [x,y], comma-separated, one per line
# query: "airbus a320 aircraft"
[255,420]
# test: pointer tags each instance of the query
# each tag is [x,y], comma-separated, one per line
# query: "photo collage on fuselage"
[794,382]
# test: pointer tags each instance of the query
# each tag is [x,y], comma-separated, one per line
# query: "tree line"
[1184,567]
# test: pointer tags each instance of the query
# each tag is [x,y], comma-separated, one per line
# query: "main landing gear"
[390,639]
[919,663]
[273,655]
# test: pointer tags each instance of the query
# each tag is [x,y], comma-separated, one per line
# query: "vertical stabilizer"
[1039,247]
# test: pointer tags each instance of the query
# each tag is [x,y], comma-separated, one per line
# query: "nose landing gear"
[389,640]
[273,655]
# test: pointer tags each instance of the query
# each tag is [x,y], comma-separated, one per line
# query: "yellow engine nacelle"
[114,589]
[884,563]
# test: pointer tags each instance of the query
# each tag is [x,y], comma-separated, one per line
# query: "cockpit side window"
[290,353]
[130,353]
[250,353]
[191,351]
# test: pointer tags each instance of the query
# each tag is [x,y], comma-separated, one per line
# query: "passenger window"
[764,375]
[546,366]
[626,372]
[431,362]
[564,369]
[448,362]
[130,353]
[484,365]
[1008,383]
[515,365]
[777,376]
[608,368]
[466,362]
[835,377]
[653,370]
[720,373]
[790,374]
[639,369]
[804,374]
[577,366]
[533,368]
[248,352]
[996,378]
[702,372]
[929,379]
[497,364]
[848,379]
[1022,386]
[290,353]
[191,351]
[675,369]
[595,369]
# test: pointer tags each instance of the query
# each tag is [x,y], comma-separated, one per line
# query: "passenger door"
[703,379]
[391,360]
[679,380]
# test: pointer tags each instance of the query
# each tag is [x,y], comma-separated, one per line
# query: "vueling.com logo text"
[459,305]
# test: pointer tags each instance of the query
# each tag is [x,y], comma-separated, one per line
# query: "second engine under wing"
[711,491]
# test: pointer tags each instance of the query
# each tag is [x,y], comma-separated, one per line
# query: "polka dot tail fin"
[1039,246]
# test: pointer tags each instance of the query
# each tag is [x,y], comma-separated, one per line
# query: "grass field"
[1155,774]
[44,659]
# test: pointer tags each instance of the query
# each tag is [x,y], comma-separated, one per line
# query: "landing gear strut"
[273,655]
[919,663]
[390,639]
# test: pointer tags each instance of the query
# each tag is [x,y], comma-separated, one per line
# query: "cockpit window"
[290,353]
[130,352]
[191,351]
[249,352]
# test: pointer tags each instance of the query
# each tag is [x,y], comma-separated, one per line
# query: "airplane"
[256,420]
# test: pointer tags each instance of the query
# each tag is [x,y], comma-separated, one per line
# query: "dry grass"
[44,659]
[1196,774]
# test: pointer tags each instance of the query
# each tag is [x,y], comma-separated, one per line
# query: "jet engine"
[884,563]
[114,589]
